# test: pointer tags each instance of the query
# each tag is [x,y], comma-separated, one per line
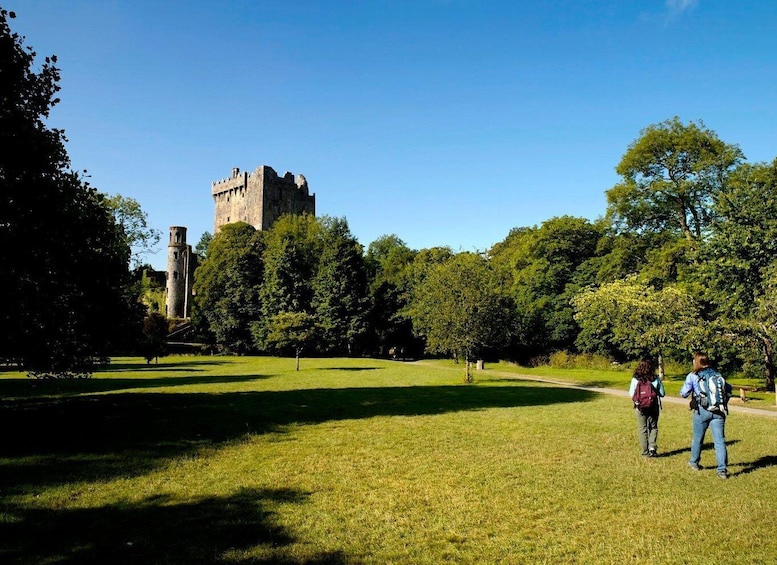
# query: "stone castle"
[257,198]
[260,198]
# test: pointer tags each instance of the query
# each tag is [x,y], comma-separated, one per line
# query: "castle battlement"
[261,197]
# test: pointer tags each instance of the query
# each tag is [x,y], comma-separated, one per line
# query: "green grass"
[244,460]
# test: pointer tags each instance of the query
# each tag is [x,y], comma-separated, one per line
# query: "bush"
[567,360]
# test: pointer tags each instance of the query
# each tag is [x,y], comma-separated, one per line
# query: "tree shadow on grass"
[29,388]
[167,364]
[88,439]
[347,369]
[49,441]
[156,530]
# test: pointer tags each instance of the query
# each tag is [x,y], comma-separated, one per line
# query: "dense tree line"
[681,258]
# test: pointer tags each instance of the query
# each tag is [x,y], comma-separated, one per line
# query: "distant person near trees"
[709,404]
[646,391]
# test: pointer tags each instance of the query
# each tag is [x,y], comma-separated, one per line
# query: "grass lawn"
[244,460]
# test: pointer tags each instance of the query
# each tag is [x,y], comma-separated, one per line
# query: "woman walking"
[697,383]
[646,390]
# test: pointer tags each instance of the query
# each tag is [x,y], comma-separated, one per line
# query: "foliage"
[133,222]
[567,360]
[65,259]
[150,288]
[743,241]
[635,319]
[291,256]
[154,341]
[290,331]
[543,267]
[201,249]
[388,259]
[339,299]
[227,286]
[459,309]
[672,174]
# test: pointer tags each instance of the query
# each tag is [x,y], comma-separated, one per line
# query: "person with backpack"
[646,390]
[709,393]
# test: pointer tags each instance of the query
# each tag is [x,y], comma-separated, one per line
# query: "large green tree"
[543,267]
[736,272]
[340,299]
[671,176]
[291,259]
[388,259]
[459,308]
[227,286]
[65,261]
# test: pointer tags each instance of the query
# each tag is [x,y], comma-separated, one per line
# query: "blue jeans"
[702,420]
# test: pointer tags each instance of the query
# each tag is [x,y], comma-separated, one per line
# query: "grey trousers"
[647,429]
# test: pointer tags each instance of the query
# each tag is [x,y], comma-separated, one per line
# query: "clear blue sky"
[445,122]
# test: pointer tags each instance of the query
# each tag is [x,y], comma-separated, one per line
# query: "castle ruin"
[260,198]
[257,198]
[181,262]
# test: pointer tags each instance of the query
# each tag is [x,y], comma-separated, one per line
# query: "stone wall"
[260,198]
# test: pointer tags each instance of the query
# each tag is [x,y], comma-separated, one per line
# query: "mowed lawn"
[244,460]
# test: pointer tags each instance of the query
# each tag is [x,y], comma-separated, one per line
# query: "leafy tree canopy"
[65,259]
[672,175]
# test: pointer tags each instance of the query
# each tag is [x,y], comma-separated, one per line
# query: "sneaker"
[722,475]
[653,453]
[695,466]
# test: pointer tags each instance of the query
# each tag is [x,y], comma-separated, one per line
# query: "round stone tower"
[178,283]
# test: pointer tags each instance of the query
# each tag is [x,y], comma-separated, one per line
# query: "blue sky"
[445,122]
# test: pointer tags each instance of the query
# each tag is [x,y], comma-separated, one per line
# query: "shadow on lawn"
[164,365]
[88,439]
[155,530]
[30,388]
[51,440]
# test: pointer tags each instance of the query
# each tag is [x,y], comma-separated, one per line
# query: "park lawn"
[244,460]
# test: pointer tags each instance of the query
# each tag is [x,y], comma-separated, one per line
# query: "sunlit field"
[245,460]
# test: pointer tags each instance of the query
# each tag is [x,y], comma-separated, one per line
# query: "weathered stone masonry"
[260,198]
[181,262]
[257,198]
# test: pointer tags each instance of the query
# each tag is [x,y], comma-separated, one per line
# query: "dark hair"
[700,361]
[645,370]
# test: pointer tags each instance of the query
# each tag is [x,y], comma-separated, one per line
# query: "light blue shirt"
[691,384]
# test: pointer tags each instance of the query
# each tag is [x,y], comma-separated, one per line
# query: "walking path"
[733,406]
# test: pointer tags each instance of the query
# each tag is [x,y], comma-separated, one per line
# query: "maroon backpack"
[645,395]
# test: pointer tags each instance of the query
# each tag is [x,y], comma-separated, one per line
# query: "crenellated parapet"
[260,198]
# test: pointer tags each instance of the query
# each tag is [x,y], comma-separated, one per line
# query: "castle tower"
[260,198]
[179,271]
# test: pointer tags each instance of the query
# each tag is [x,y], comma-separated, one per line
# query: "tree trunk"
[661,371]
[767,347]
[297,358]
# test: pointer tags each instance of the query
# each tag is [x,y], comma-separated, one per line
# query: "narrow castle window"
[175,255]
[175,275]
